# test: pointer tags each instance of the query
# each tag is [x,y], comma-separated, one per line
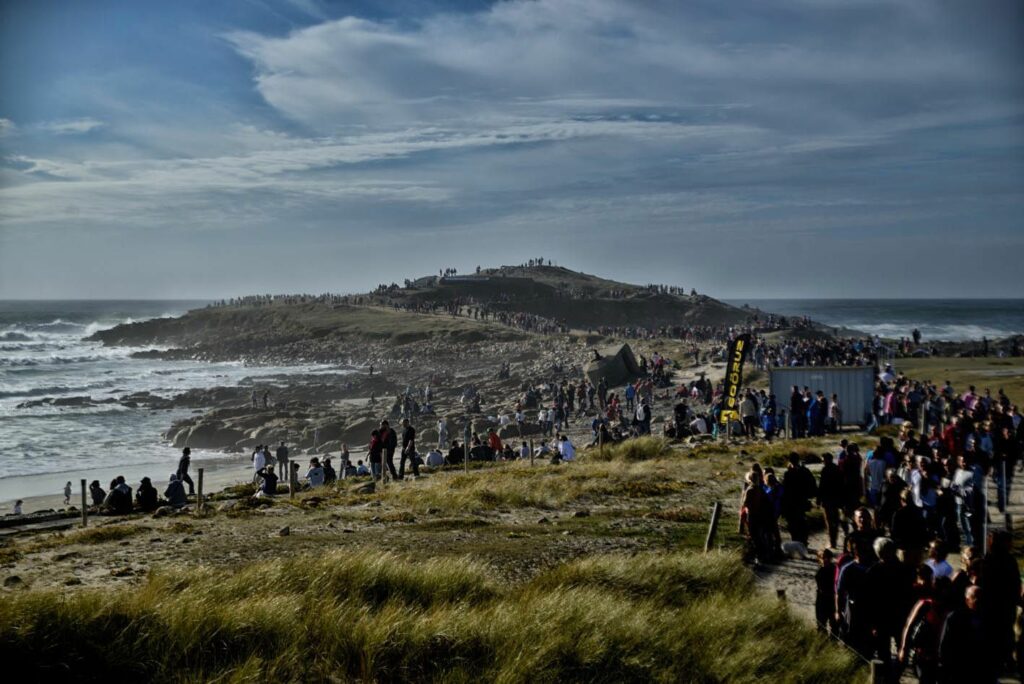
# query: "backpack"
[922,635]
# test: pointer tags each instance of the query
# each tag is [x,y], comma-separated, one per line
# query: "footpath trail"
[792,580]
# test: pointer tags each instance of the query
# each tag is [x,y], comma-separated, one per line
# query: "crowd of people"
[888,590]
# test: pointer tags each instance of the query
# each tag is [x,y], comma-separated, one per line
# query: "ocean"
[42,354]
[937,319]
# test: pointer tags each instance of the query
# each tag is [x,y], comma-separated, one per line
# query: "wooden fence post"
[531,452]
[465,447]
[199,495]
[877,671]
[85,509]
[716,513]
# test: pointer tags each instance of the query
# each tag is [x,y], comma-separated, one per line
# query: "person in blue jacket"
[816,414]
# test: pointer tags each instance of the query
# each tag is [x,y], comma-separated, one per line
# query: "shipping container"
[854,386]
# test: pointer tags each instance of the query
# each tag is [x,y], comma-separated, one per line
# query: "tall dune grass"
[376,617]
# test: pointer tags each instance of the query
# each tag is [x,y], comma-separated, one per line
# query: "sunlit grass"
[374,616]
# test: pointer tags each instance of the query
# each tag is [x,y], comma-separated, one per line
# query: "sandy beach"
[219,471]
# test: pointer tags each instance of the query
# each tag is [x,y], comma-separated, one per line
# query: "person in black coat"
[964,649]
[830,497]
[390,442]
[908,528]
[146,495]
[798,488]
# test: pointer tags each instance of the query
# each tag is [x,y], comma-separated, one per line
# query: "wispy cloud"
[70,127]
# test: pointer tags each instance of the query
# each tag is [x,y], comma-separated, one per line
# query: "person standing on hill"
[390,443]
[282,460]
[442,433]
[183,463]
[797,413]
[816,413]
[408,450]
[376,454]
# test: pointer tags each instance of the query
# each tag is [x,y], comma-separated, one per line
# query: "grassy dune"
[983,373]
[376,617]
[449,578]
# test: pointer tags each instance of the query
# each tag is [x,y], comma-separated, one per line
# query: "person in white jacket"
[566,449]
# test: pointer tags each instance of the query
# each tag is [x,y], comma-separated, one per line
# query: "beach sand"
[219,471]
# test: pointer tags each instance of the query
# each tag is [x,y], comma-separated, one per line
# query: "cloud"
[661,123]
[70,127]
[6,127]
[566,57]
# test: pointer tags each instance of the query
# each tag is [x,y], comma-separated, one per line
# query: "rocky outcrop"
[301,426]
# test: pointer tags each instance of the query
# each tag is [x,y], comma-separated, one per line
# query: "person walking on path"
[798,488]
[830,497]
[183,463]
[67,493]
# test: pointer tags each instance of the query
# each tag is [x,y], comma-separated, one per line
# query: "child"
[17,507]
[825,597]
[67,493]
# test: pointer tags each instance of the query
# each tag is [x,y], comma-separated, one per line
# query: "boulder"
[212,436]
[616,365]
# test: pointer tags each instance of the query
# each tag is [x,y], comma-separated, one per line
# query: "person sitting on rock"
[114,503]
[268,482]
[480,451]
[456,453]
[435,459]
[330,475]
[361,469]
[566,449]
[175,492]
[315,474]
[97,493]
[146,496]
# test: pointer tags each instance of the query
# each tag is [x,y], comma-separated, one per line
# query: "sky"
[797,148]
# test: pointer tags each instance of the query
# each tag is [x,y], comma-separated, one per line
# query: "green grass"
[377,617]
[991,373]
[632,450]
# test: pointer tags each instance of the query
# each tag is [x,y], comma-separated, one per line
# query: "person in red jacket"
[951,438]
[494,442]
